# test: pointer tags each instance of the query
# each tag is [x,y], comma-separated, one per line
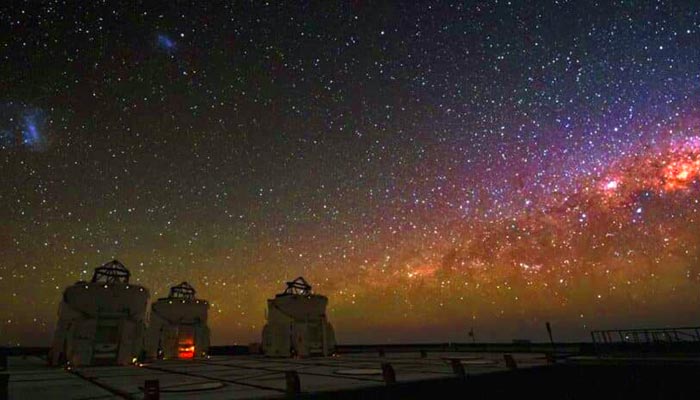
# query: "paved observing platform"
[248,377]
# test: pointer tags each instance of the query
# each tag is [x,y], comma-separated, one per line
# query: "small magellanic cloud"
[23,127]
[165,43]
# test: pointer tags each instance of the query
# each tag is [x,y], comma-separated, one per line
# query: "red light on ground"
[185,352]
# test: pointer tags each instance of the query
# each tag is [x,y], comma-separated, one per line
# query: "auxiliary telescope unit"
[178,327]
[297,325]
[101,322]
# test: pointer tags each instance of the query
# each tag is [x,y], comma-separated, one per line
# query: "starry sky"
[431,167]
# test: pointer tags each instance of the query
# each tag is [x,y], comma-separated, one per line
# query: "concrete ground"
[244,377]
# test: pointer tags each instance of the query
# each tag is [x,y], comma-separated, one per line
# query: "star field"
[430,167]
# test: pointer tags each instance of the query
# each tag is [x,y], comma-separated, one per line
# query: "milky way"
[431,168]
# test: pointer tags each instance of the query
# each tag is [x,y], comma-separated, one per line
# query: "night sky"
[430,167]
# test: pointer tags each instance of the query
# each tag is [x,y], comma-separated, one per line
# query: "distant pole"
[151,389]
[388,373]
[549,332]
[471,334]
[510,361]
[293,383]
[4,386]
[458,368]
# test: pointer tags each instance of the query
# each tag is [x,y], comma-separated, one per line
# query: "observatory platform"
[249,376]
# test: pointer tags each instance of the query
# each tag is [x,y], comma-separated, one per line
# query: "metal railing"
[656,337]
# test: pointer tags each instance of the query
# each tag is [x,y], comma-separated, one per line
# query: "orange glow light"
[186,351]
